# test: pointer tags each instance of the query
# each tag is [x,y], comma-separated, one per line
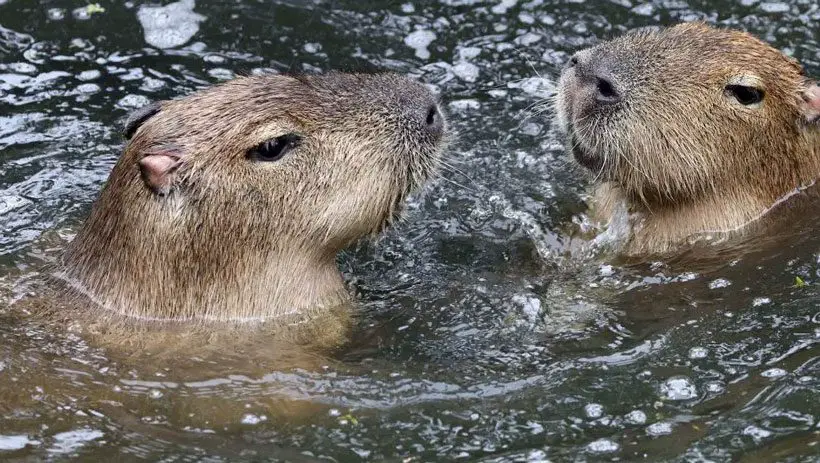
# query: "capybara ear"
[811,103]
[158,168]
[138,117]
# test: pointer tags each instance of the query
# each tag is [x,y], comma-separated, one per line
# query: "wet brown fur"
[683,157]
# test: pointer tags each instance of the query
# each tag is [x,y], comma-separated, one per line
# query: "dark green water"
[470,345]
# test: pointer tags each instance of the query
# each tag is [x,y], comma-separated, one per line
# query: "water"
[471,342]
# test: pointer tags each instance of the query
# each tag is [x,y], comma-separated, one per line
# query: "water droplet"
[756,433]
[659,429]
[419,41]
[698,353]
[250,418]
[715,386]
[758,301]
[594,410]
[679,388]
[719,283]
[774,373]
[467,72]
[635,417]
[602,446]
[55,14]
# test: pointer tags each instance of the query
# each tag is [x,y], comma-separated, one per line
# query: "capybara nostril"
[605,92]
[434,122]
[572,62]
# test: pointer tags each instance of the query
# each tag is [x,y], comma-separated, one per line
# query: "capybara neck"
[232,203]
[697,130]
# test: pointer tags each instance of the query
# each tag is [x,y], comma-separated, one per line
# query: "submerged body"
[691,131]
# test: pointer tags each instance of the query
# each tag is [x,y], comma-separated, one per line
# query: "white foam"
[419,41]
[171,25]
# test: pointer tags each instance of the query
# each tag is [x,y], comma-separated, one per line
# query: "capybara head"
[233,202]
[672,115]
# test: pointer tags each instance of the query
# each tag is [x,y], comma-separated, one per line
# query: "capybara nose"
[596,77]
[433,121]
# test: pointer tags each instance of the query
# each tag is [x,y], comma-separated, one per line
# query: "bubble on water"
[606,271]
[645,9]
[155,393]
[408,8]
[214,59]
[531,128]
[679,388]
[221,73]
[55,14]
[758,301]
[70,441]
[536,86]
[149,84]
[81,13]
[715,387]
[250,418]
[775,7]
[91,74]
[419,41]
[467,72]
[503,6]
[756,433]
[526,18]
[594,410]
[312,47]
[635,417]
[659,429]
[171,25]
[15,442]
[530,307]
[133,101]
[22,68]
[774,373]
[719,283]
[602,446]
[464,105]
[528,39]
[334,412]
[88,88]
[537,456]
[698,353]
[10,202]
[468,53]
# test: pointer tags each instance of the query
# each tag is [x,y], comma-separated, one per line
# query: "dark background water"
[471,344]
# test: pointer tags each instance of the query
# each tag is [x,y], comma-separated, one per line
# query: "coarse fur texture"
[656,117]
[191,227]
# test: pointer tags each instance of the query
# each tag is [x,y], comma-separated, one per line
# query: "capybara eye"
[275,148]
[745,95]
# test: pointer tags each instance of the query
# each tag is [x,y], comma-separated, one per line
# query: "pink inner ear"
[157,170]
[812,97]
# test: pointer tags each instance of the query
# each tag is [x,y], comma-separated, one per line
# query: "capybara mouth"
[583,156]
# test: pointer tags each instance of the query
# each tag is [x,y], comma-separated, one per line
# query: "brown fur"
[684,157]
[236,240]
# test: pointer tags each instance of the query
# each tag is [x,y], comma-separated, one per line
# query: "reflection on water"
[472,339]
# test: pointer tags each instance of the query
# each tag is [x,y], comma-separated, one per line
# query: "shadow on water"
[470,342]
